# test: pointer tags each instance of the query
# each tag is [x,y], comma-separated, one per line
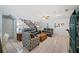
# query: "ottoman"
[43,36]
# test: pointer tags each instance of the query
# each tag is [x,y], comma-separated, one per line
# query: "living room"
[35,29]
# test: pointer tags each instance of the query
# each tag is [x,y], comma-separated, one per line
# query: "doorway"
[8,25]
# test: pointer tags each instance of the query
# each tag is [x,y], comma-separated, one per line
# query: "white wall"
[57,15]
[51,22]
[0,24]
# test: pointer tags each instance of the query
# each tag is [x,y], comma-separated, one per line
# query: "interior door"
[8,26]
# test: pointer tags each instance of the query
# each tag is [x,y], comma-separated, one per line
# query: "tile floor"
[54,44]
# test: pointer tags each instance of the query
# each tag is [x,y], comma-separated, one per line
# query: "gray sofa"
[33,31]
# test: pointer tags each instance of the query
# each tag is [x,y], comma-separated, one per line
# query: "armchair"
[49,31]
[28,42]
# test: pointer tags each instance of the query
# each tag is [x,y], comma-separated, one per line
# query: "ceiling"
[38,10]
